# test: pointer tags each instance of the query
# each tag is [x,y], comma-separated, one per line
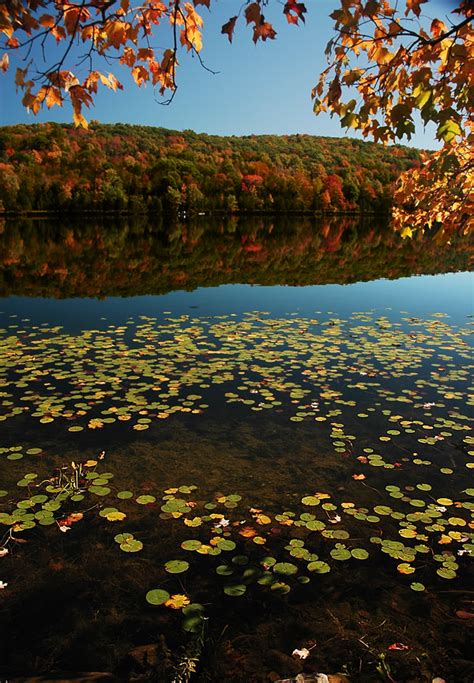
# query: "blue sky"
[263,88]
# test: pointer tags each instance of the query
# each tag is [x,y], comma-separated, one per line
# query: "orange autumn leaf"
[263,31]
[177,601]
[72,518]
[248,532]
[263,519]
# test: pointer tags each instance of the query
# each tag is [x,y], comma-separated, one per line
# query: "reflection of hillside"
[107,256]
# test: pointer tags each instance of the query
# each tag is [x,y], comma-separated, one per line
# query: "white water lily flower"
[302,654]
[3,585]
[3,552]
[222,522]
[335,519]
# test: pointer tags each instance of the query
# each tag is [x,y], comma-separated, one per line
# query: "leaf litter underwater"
[295,483]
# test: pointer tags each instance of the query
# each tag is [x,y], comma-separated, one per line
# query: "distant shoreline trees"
[53,167]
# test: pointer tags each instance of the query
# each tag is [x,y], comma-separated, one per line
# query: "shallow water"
[311,446]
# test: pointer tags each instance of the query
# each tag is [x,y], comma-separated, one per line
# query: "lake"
[225,440]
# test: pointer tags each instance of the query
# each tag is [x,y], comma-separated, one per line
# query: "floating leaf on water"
[310,500]
[405,568]
[176,566]
[124,495]
[115,516]
[100,490]
[446,573]
[235,590]
[359,553]
[240,560]
[157,596]
[191,545]
[177,601]
[145,500]
[340,552]
[131,546]
[285,568]
[319,567]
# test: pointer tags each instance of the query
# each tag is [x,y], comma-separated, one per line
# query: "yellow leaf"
[4,62]
[405,568]
[53,97]
[79,122]
[177,601]
[263,519]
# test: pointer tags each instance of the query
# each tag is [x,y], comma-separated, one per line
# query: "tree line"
[54,167]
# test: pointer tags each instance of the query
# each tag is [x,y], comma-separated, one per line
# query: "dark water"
[300,419]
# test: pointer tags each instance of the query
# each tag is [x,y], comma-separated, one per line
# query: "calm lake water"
[223,441]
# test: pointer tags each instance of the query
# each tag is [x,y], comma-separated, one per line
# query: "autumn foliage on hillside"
[54,167]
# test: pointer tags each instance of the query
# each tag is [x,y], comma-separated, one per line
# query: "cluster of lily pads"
[224,527]
[148,370]
[248,548]
[389,397]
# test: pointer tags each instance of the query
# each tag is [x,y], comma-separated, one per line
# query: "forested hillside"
[137,168]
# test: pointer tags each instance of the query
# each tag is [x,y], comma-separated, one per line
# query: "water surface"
[293,434]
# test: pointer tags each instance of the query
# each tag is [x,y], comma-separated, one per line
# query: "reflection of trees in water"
[137,255]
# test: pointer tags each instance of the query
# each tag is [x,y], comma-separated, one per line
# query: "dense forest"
[53,167]
[126,256]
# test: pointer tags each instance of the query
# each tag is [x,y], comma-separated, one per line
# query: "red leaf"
[294,11]
[398,646]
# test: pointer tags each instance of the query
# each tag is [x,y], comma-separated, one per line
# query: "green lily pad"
[157,596]
[235,590]
[285,568]
[176,566]
[340,552]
